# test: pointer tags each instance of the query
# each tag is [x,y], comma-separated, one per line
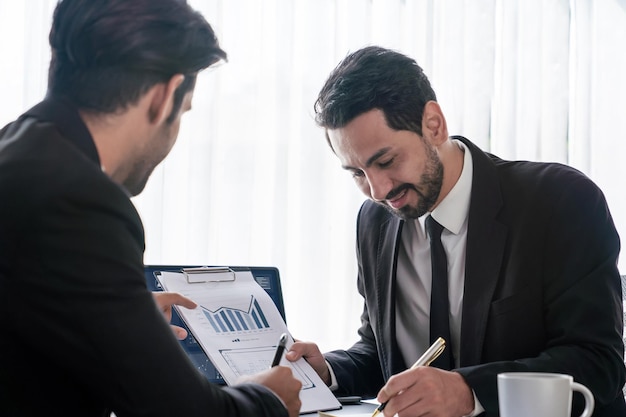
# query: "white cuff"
[333,379]
[478,408]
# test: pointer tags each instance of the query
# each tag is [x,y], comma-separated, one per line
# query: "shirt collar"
[69,123]
[454,208]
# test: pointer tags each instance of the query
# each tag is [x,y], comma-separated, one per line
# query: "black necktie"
[439,304]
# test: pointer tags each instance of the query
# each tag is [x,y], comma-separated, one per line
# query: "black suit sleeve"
[85,334]
[572,277]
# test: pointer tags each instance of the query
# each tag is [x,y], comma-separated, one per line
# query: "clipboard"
[198,275]
[267,277]
[238,325]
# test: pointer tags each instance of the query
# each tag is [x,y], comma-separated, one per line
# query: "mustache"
[400,189]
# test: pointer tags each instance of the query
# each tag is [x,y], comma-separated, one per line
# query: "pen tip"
[375,413]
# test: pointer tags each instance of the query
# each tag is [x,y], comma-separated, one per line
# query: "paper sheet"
[365,408]
[238,326]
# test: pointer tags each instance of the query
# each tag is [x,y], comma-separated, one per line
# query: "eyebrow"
[371,159]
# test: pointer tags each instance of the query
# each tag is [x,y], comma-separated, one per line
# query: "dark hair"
[107,53]
[375,78]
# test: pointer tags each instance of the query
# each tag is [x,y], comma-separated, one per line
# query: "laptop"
[267,277]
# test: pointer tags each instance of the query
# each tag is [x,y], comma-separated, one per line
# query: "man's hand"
[281,381]
[310,352]
[427,391]
[165,301]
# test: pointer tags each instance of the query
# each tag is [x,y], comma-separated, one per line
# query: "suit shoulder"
[372,212]
[548,176]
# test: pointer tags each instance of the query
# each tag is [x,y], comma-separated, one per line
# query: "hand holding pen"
[426,359]
[280,349]
[279,379]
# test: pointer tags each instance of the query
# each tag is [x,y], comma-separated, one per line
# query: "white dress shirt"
[413,278]
[414,274]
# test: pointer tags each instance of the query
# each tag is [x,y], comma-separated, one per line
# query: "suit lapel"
[486,238]
[390,232]
[485,247]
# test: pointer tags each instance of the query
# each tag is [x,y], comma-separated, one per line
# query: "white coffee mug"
[536,394]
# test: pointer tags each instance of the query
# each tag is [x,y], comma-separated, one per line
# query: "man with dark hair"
[530,278]
[82,335]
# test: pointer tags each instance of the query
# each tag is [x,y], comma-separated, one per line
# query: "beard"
[427,189]
[136,182]
[143,167]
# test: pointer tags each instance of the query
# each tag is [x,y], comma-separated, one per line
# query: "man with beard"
[81,333]
[530,249]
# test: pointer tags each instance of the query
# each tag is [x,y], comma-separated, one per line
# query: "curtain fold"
[252,180]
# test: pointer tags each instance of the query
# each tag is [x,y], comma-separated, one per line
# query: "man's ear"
[434,125]
[162,100]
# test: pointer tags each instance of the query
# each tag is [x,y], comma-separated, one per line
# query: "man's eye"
[357,174]
[386,164]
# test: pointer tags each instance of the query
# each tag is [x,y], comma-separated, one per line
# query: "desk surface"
[350,410]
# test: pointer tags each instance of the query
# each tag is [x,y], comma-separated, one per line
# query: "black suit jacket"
[542,290]
[81,334]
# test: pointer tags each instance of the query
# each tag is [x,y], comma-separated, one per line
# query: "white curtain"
[251,180]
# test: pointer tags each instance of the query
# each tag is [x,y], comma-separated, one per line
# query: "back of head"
[375,78]
[107,53]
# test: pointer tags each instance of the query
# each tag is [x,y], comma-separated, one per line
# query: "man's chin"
[406,212]
[135,188]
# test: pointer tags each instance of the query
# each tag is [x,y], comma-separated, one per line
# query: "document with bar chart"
[238,326]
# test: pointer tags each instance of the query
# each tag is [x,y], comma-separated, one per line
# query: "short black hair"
[375,78]
[107,53]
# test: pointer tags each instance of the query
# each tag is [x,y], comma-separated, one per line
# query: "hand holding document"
[238,325]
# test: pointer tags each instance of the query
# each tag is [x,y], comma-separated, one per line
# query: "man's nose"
[379,186]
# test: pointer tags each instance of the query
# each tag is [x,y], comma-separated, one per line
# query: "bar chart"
[233,320]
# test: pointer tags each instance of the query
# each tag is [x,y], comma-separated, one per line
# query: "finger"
[298,350]
[166,299]
[396,384]
[408,402]
[294,353]
[179,332]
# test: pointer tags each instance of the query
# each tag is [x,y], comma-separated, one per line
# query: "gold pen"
[426,359]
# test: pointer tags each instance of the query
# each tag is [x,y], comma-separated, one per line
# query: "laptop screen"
[267,277]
